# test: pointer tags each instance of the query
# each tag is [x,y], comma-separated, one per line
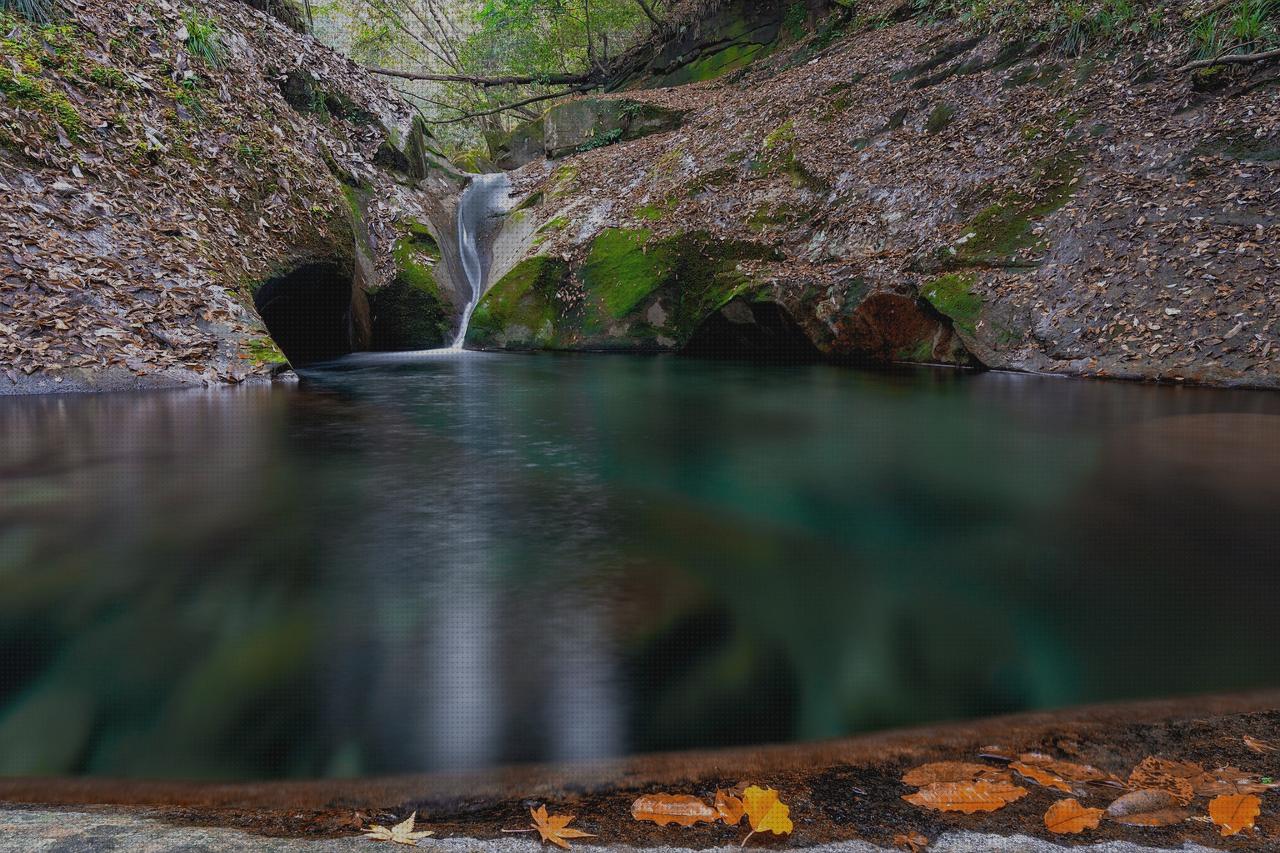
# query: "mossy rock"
[779,155]
[591,122]
[522,144]
[524,309]
[952,296]
[939,118]
[410,312]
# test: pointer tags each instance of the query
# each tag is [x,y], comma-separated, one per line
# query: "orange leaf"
[913,842]
[1234,813]
[729,807]
[1147,807]
[950,771]
[1068,770]
[966,797]
[552,827]
[1259,746]
[1229,780]
[1040,777]
[680,809]
[1177,777]
[765,812]
[1070,816]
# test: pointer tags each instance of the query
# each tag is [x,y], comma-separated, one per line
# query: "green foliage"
[600,140]
[36,11]
[1244,27]
[204,39]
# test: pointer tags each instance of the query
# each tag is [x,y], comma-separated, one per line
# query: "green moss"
[952,295]
[263,351]
[40,96]
[562,181]
[533,200]
[939,119]
[657,211]
[922,350]
[524,307]
[620,271]
[712,65]
[1004,228]
[778,156]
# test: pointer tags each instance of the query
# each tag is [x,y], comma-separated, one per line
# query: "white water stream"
[485,198]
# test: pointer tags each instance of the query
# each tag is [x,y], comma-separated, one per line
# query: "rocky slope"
[893,188]
[165,164]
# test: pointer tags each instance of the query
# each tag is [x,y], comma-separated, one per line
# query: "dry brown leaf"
[1177,777]
[401,833]
[1069,816]
[553,827]
[913,842]
[729,807]
[1234,813]
[1040,777]
[966,797]
[951,771]
[1259,746]
[681,809]
[1229,780]
[1147,807]
[1067,770]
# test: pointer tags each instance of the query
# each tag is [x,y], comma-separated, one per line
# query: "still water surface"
[464,560]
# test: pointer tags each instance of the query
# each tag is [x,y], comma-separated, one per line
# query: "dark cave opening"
[307,312]
[752,331]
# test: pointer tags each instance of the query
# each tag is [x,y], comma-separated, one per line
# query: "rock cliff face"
[894,189]
[169,168]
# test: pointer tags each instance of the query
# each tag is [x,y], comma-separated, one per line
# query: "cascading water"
[485,197]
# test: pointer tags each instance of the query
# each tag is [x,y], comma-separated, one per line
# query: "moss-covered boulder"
[410,312]
[632,291]
[593,122]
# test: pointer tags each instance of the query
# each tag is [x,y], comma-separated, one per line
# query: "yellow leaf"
[401,833]
[765,812]
[966,797]
[680,809]
[553,827]
[1070,816]
[1234,813]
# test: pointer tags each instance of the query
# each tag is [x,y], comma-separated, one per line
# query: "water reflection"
[458,561]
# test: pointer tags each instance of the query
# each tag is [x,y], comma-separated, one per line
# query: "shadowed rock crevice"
[308,312]
[753,331]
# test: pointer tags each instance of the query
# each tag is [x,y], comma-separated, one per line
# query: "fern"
[203,38]
[36,11]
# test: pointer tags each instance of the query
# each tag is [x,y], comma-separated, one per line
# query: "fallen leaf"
[553,827]
[765,812]
[1234,813]
[966,797]
[1259,746]
[951,771]
[1040,777]
[680,809]
[1069,816]
[1068,770]
[401,833]
[730,808]
[1147,807]
[1229,780]
[913,842]
[1176,777]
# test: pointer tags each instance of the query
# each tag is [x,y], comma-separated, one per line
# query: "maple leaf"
[1147,807]
[553,828]
[401,833]
[966,797]
[730,808]
[951,771]
[912,842]
[680,809]
[765,812]
[1234,813]
[1069,816]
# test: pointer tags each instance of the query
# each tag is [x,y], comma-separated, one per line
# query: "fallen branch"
[1232,59]
[466,116]
[486,82]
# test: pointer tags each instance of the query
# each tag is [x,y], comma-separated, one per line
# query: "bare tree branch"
[1232,59]
[486,82]
[506,107]
[657,22]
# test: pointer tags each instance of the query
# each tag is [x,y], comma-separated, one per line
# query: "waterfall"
[484,198]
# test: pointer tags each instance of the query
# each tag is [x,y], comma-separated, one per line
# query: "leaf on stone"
[1177,777]
[1147,807]
[729,807]
[765,812]
[951,771]
[680,809]
[553,828]
[1068,770]
[401,833]
[1234,813]
[912,842]
[1069,816]
[966,797]
[1040,777]
[1229,780]
[1259,746]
